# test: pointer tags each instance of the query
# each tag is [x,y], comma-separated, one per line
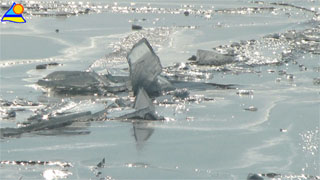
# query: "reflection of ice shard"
[213,58]
[144,108]
[142,132]
[145,67]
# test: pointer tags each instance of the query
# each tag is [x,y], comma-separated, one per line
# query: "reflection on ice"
[142,132]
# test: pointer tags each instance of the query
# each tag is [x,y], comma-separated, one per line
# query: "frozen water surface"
[257,117]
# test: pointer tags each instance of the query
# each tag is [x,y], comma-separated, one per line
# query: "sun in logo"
[14,14]
[18,9]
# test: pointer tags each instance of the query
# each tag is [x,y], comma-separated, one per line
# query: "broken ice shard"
[145,67]
[80,82]
[52,123]
[75,82]
[144,108]
[143,101]
[215,58]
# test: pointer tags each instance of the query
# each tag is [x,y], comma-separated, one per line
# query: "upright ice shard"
[144,108]
[145,67]
[215,58]
[143,101]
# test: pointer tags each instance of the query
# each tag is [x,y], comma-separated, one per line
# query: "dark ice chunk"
[136,27]
[53,64]
[11,114]
[42,66]
[102,163]
[181,93]
[122,103]
[193,58]
[254,177]
[316,81]
[86,11]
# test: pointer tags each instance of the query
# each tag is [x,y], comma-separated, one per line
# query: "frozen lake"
[218,134]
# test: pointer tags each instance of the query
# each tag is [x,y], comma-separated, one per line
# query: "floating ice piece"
[283,130]
[102,163]
[290,76]
[145,68]
[215,58]
[251,108]
[271,175]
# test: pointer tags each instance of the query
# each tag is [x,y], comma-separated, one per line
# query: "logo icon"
[14,14]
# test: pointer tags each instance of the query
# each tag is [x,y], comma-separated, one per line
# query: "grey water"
[217,139]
